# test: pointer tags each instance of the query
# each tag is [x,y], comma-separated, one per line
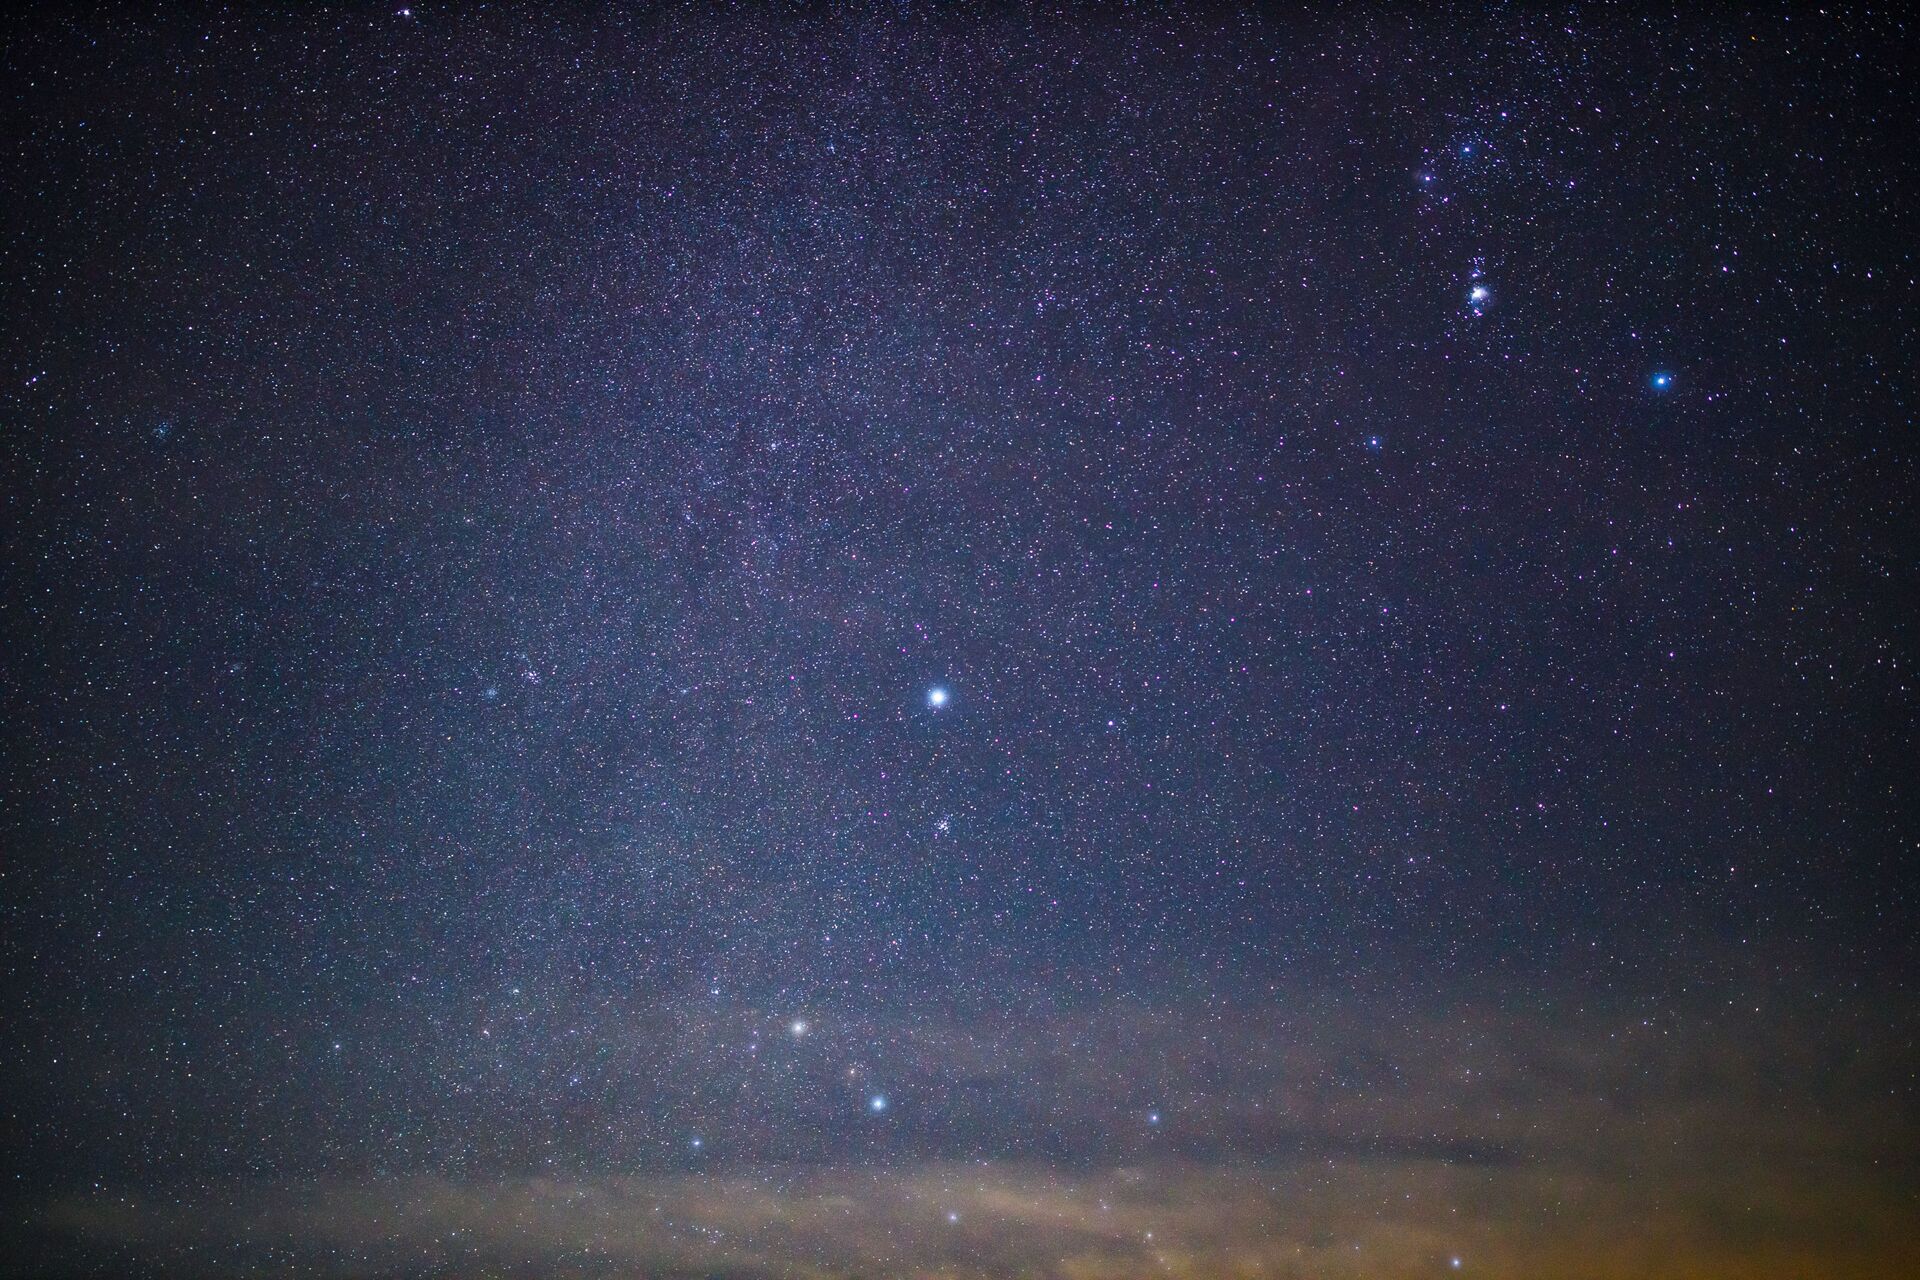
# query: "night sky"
[970,642]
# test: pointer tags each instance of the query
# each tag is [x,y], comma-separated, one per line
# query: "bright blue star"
[937,697]
[1661,381]
[877,1103]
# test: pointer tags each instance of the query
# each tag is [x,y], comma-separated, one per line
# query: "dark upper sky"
[989,612]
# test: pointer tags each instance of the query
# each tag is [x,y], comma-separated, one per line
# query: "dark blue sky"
[1409,511]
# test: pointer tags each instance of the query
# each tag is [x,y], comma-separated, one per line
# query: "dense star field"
[989,642]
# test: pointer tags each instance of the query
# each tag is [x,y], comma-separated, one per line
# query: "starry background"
[760,642]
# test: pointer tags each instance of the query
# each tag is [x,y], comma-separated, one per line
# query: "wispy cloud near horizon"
[1520,1145]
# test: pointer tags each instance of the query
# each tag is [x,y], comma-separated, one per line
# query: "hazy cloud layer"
[1564,1145]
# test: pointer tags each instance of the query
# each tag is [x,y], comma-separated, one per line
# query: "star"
[938,697]
[877,1103]
[798,1027]
[1661,381]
